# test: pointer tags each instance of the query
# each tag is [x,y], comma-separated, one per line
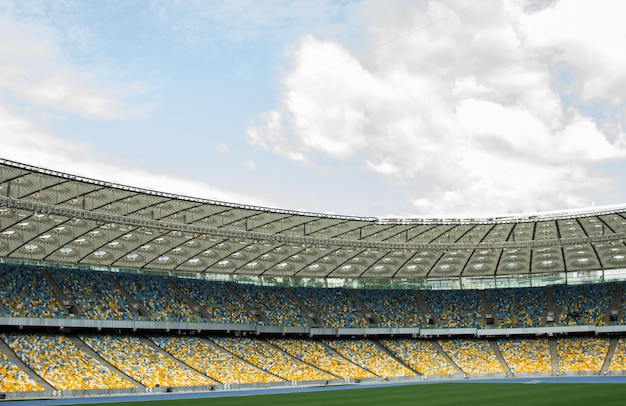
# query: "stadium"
[110,289]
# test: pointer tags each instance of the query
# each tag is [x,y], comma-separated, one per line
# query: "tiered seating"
[526,355]
[93,292]
[270,359]
[622,304]
[162,301]
[518,307]
[618,362]
[335,307]
[394,308]
[454,308]
[143,363]
[368,355]
[583,304]
[13,379]
[582,354]
[319,355]
[216,300]
[274,302]
[420,355]
[472,356]
[213,361]
[26,293]
[66,367]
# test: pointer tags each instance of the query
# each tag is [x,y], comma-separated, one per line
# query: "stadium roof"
[57,217]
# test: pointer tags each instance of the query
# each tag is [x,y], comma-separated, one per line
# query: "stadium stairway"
[424,310]
[554,355]
[154,346]
[182,365]
[496,350]
[6,350]
[133,304]
[441,352]
[371,318]
[609,355]
[314,319]
[69,306]
[232,353]
[395,357]
[254,311]
[550,305]
[268,368]
[286,354]
[489,317]
[616,312]
[219,348]
[199,310]
[344,357]
[90,352]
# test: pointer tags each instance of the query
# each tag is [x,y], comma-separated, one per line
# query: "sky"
[432,108]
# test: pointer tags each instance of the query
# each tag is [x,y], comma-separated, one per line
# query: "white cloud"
[223,148]
[473,113]
[34,70]
[589,41]
[25,142]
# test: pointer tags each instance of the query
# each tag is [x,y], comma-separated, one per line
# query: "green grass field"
[425,395]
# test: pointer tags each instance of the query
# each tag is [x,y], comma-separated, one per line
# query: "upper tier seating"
[335,307]
[163,302]
[26,293]
[394,308]
[583,304]
[454,308]
[93,292]
[518,307]
[274,302]
[216,300]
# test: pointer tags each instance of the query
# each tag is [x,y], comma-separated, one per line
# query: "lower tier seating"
[582,354]
[321,356]
[474,357]
[145,364]
[421,355]
[213,361]
[269,358]
[13,379]
[618,362]
[62,364]
[116,361]
[368,355]
[526,355]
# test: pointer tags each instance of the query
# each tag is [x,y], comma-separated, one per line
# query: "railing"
[258,329]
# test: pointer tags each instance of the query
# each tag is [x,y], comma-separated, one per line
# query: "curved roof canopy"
[57,217]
